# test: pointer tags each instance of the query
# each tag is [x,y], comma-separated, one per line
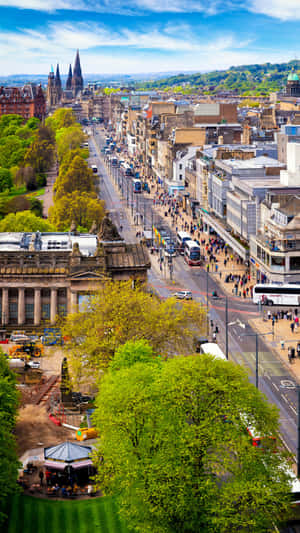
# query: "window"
[180,176]
[278,261]
[277,290]
[180,166]
[295,263]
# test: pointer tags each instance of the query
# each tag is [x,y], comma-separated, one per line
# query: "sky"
[140,36]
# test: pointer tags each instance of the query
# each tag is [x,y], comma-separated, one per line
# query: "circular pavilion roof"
[67,452]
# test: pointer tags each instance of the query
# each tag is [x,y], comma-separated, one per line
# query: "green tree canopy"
[24,221]
[82,208]
[175,449]
[68,138]
[5,179]
[133,352]
[79,177]
[8,457]
[61,118]
[118,313]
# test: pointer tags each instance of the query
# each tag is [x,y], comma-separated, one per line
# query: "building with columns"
[46,275]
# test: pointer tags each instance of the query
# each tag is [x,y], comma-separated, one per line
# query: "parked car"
[34,364]
[183,295]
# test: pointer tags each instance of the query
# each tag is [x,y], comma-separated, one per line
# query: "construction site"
[49,411]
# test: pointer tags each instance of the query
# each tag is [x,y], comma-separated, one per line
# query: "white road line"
[286,401]
[274,385]
[294,410]
[287,447]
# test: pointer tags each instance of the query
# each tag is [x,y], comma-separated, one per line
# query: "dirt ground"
[34,428]
[51,361]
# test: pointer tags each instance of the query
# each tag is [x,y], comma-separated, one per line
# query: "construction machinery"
[26,350]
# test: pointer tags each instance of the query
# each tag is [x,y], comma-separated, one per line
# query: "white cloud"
[154,48]
[42,5]
[281,9]
[134,7]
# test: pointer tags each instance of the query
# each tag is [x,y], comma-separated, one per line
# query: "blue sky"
[146,35]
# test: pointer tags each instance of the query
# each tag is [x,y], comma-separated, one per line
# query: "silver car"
[183,295]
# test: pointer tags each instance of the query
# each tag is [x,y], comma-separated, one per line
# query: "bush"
[37,207]
[41,180]
[18,203]
[5,179]
[31,183]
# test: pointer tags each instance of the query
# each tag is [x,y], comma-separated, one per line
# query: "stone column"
[37,307]
[5,307]
[74,302]
[53,306]
[21,306]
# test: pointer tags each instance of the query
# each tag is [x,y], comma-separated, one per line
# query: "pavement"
[47,197]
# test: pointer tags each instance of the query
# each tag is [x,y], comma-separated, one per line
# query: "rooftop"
[46,242]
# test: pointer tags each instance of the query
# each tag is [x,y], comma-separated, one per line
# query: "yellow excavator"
[26,350]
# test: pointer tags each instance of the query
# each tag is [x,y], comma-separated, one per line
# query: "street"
[275,380]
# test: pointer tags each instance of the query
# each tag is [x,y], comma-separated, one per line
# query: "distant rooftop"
[45,242]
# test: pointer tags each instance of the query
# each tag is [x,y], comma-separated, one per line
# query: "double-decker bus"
[137,186]
[181,238]
[273,294]
[192,253]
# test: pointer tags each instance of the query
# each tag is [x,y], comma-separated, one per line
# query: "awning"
[61,465]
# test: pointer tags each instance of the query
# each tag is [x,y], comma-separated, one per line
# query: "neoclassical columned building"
[44,275]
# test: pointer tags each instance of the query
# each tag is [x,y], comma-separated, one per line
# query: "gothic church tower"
[77,79]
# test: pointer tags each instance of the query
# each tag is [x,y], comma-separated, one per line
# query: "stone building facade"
[43,276]
[28,101]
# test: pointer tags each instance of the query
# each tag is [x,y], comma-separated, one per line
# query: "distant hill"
[245,79]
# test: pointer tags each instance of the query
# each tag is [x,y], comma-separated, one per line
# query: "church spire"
[57,77]
[77,80]
[69,79]
[77,66]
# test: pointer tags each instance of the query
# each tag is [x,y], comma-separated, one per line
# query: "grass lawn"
[99,515]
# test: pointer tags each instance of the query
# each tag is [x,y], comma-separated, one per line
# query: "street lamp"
[256,335]
[226,313]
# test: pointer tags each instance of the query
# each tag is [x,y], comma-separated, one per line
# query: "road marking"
[294,410]
[274,385]
[285,444]
[285,399]
[287,384]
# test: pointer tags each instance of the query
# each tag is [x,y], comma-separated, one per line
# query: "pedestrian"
[292,326]
[41,476]
[214,336]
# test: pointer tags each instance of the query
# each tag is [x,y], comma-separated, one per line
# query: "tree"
[15,204]
[5,179]
[61,118]
[175,450]
[68,139]
[24,221]
[82,208]
[8,458]
[79,177]
[67,160]
[40,155]
[133,352]
[118,313]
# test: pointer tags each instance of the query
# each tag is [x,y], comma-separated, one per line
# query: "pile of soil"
[34,428]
